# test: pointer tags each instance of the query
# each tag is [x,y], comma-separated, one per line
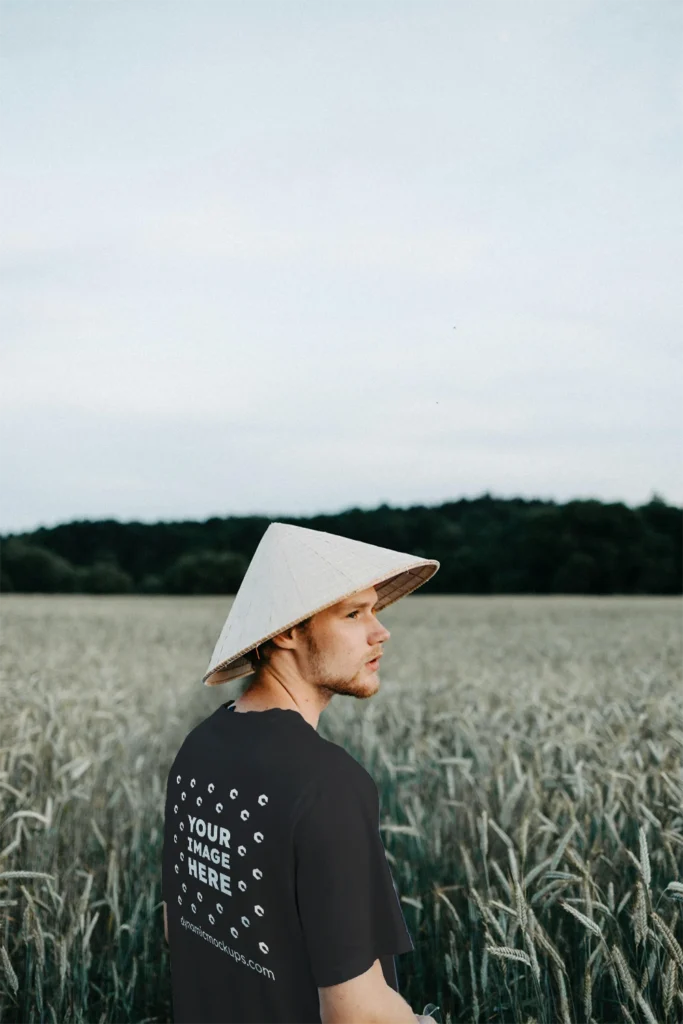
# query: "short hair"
[266,649]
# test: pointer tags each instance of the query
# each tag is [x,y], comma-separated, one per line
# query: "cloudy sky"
[291,257]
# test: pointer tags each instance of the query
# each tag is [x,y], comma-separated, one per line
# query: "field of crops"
[528,755]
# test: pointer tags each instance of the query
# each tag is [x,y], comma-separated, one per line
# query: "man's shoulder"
[337,768]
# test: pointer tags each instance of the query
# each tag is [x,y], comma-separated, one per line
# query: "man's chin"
[363,685]
[368,685]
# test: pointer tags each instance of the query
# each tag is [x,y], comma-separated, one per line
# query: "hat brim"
[390,588]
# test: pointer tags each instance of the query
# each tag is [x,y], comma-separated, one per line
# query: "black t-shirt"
[273,871]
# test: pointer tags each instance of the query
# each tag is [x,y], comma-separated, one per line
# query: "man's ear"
[284,639]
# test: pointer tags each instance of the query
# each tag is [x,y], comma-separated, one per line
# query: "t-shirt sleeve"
[348,904]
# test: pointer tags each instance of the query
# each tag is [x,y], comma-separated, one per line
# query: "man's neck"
[261,695]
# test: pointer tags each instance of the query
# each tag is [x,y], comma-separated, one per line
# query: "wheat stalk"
[9,970]
[639,914]
[669,985]
[644,858]
[586,921]
[507,952]
[669,937]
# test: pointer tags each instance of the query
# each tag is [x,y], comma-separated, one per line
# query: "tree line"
[485,545]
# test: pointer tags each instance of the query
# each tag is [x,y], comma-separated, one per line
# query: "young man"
[279,903]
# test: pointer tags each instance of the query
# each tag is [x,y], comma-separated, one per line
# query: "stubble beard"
[350,686]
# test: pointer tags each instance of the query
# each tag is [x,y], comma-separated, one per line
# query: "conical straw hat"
[296,572]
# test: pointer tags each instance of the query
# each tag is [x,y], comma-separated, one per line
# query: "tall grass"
[528,756]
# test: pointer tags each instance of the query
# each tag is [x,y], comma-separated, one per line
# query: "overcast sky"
[286,258]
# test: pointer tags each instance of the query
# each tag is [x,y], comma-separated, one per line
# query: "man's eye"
[352,613]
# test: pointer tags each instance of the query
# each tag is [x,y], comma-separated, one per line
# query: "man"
[279,903]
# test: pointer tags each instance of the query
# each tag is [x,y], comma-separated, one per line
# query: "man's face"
[340,641]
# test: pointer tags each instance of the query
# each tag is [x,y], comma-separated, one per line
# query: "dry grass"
[528,755]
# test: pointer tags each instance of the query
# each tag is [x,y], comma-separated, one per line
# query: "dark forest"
[485,545]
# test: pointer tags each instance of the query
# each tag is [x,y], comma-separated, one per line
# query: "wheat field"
[527,752]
